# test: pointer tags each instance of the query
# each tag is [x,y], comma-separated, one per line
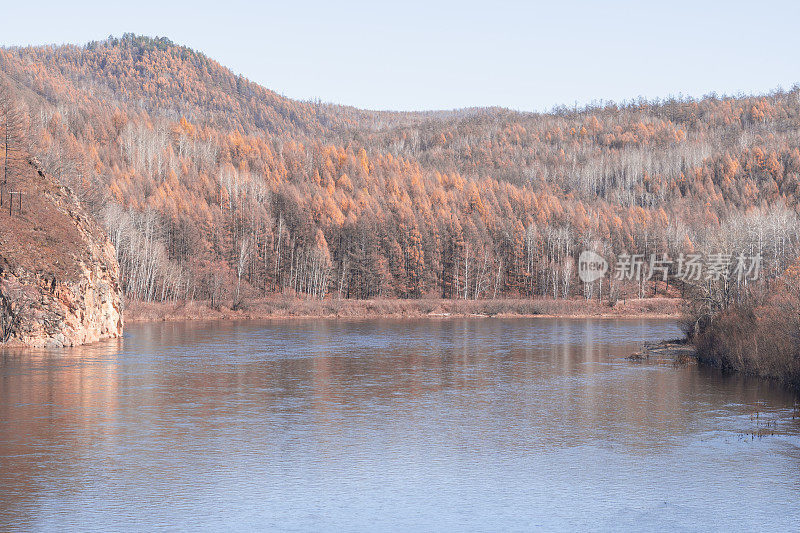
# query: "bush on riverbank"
[760,336]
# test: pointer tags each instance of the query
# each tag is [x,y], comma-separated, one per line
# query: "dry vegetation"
[284,307]
[760,335]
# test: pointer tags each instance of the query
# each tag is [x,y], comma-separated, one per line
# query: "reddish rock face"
[59,277]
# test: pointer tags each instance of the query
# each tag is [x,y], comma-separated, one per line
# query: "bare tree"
[13,149]
[242,262]
[14,305]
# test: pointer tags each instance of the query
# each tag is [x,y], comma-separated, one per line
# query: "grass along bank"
[288,307]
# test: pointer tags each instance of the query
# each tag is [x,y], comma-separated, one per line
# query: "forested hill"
[213,186]
[165,80]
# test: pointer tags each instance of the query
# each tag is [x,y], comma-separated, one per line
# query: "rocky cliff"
[59,278]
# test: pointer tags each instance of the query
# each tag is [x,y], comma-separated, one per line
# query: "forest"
[215,188]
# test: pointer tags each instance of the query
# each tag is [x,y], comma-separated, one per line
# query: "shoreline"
[682,353]
[292,308]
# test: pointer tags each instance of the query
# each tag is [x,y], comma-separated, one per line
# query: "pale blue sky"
[413,54]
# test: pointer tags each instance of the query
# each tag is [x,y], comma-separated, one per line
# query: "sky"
[421,55]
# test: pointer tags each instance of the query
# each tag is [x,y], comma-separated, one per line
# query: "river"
[390,425]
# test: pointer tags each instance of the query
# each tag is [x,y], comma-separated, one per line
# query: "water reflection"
[325,424]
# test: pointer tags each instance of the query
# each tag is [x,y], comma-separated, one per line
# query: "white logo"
[591,266]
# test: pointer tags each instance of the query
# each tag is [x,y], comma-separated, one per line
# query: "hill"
[213,187]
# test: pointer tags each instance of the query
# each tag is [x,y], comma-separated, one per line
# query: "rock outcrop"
[59,277]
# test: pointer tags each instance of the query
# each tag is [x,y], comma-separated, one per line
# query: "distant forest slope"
[214,187]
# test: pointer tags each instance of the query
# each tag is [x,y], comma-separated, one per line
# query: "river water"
[390,425]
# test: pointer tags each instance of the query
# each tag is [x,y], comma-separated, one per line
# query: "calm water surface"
[475,424]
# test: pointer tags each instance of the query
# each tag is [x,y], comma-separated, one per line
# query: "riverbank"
[682,352]
[760,337]
[137,311]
